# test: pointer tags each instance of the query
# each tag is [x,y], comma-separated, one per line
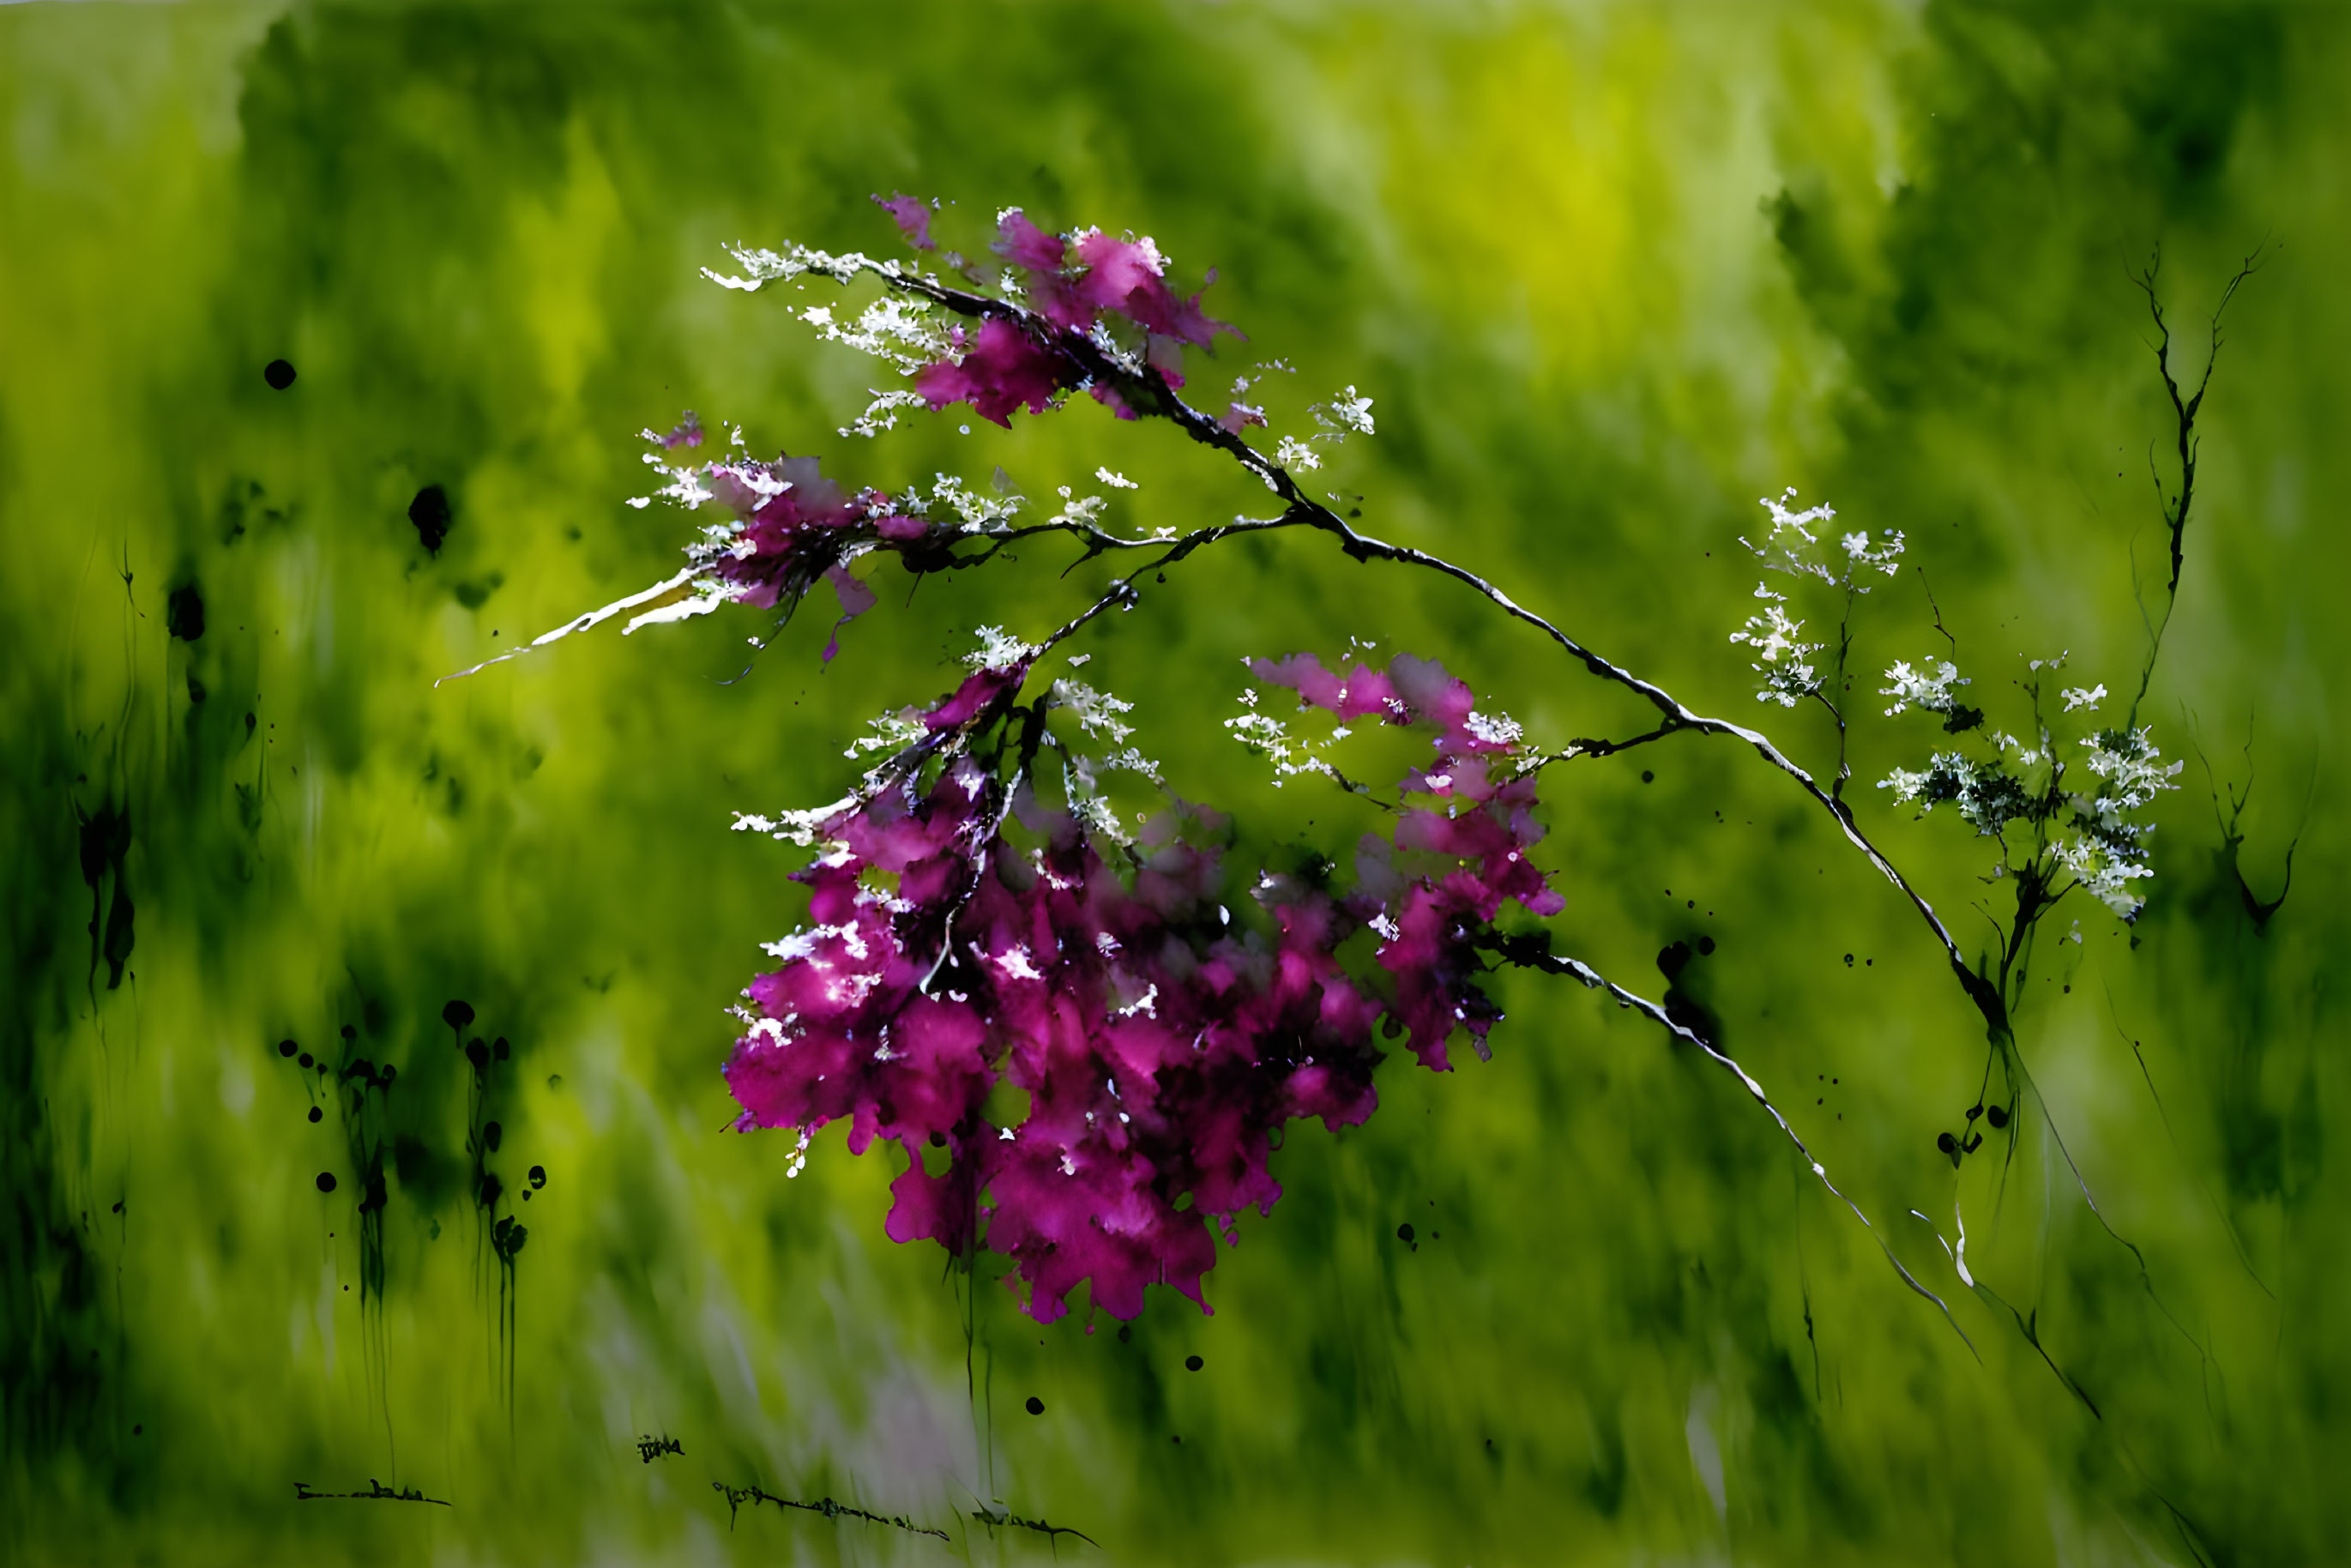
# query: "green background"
[1610,273]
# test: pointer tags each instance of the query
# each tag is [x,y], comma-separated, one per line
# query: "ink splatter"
[430,514]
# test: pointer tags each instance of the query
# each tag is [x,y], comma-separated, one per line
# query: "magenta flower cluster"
[1077,286]
[1086,1049]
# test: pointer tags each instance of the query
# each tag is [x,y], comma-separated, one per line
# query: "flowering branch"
[1082,1053]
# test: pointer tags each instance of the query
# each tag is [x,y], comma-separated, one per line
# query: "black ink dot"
[458,1015]
[539,1175]
[1997,1115]
[138,1429]
[499,1049]
[1126,1332]
[1848,960]
[278,373]
[1036,1406]
[430,513]
[317,1114]
[476,1053]
[184,612]
[1946,1142]
[304,1061]
[1647,777]
[196,692]
[1403,1232]
[1691,904]
[1706,946]
[1193,1363]
[287,1048]
[350,1033]
[491,1133]
[326,1181]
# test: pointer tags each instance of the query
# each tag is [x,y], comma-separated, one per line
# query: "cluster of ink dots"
[305,1060]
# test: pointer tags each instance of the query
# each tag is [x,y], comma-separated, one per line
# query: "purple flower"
[1003,371]
[1023,244]
[913,217]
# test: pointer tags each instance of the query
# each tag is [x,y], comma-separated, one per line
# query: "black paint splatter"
[184,612]
[430,513]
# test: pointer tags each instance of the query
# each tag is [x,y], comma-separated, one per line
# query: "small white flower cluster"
[1343,414]
[892,733]
[998,649]
[1079,511]
[1350,413]
[770,267]
[794,827]
[1500,730]
[1263,732]
[1986,795]
[903,331]
[2109,852]
[1794,546]
[2078,697]
[1086,803]
[1928,686]
[1096,712]
[1785,661]
[979,513]
[881,413]
[1792,543]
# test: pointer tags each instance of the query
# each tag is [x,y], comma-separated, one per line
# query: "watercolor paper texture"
[1323,942]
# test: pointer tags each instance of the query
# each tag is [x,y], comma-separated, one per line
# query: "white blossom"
[1784,659]
[998,649]
[2076,697]
[1928,686]
[1096,712]
[1343,414]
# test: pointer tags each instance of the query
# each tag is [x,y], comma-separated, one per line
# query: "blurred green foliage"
[1610,272]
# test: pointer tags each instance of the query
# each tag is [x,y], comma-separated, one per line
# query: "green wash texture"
[1610,272]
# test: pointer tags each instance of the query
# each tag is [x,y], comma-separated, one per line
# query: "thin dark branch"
[2185,407]
[1532,953]
[1146,391]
